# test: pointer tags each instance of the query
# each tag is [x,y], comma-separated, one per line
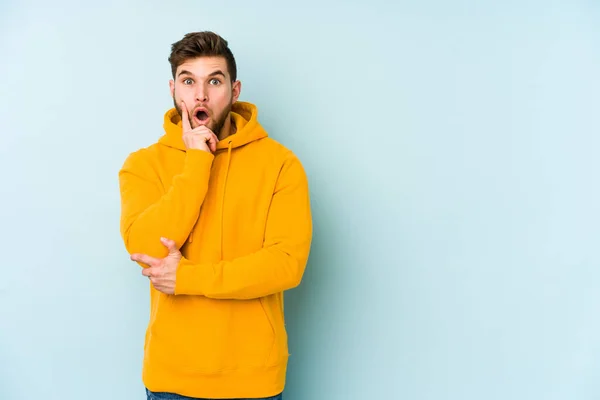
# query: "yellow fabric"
[242,220]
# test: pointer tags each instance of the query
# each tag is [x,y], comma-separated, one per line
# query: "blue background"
[452,151]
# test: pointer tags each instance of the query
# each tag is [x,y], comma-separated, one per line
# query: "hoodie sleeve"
[279,265]
[149,213]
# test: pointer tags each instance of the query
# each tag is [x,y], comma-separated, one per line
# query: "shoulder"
[276,151]
[142,159]
[283,159]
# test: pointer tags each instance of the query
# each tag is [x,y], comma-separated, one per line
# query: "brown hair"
[201,44]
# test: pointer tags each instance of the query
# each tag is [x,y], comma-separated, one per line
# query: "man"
[218,215]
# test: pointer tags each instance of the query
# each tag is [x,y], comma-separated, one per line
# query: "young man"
[218,215]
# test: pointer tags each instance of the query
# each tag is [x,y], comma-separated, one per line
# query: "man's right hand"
[200,138]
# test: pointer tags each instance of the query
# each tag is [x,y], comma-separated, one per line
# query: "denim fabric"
[174,396]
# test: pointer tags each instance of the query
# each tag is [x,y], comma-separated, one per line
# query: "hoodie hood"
[244,115]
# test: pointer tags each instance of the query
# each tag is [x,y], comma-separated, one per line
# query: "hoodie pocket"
[250,337]
[273,308]
[266,314]
[198,334]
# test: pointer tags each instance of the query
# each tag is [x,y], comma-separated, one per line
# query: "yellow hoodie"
[242,220]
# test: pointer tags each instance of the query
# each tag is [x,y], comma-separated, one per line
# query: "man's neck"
[228,128]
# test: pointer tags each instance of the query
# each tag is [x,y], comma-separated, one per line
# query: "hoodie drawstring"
[223,194]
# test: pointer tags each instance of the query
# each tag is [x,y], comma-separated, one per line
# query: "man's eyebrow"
[185,72]
[217,72]
[214,73]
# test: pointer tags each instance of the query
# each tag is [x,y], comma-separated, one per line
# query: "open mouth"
[201,116]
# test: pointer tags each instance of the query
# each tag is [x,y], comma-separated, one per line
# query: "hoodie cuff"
[190,278]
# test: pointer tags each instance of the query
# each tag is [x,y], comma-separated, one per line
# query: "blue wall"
[452,149]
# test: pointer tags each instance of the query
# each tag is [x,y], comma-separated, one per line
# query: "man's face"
[204,85]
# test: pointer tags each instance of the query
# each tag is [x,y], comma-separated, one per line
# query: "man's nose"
[201,94]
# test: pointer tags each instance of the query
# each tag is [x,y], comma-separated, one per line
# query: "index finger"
[144,259]
[185,119]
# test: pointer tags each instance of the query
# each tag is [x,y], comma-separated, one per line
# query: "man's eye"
[214,81]
[188,81]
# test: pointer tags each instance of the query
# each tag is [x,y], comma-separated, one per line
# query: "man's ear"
[172,88]
[236,89]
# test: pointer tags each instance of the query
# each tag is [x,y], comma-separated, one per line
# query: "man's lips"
[201,115]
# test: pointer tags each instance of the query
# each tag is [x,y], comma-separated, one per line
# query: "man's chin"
[214,126]
[209,125]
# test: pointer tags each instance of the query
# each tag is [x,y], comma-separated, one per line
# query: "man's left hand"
[161,271]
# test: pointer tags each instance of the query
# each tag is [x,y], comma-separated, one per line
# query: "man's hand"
[162,271]
[200,138]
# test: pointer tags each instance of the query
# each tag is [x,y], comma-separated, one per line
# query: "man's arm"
[147,213]
[278,266]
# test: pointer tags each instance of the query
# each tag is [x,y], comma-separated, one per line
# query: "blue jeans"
[174,396]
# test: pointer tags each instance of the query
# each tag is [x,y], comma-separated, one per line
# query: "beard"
[216,121]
